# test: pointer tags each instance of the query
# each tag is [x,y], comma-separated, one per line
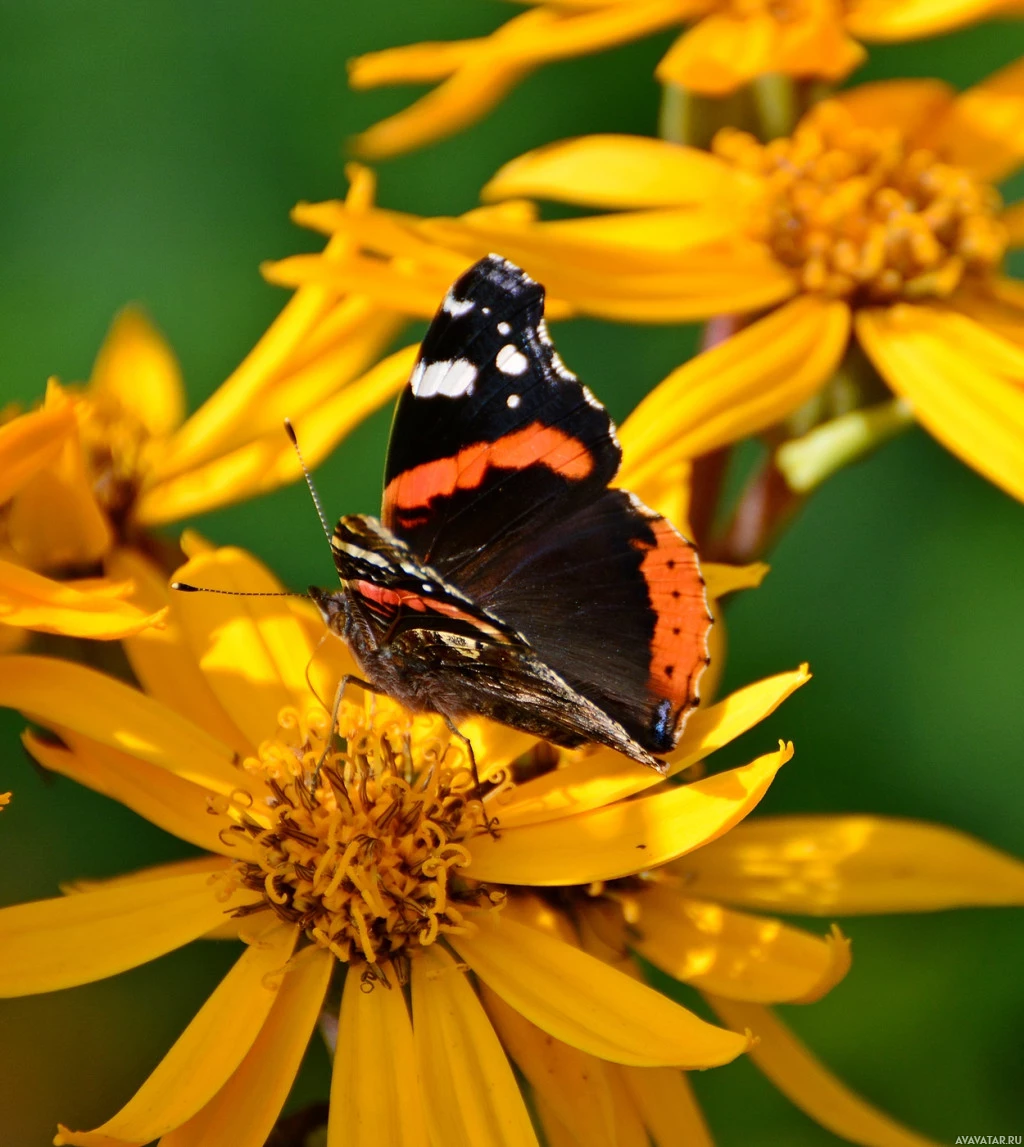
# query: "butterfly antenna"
[185,587]
[290,431]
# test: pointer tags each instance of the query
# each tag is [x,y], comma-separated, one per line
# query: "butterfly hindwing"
[614,601]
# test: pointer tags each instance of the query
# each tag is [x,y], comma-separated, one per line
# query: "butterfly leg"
[333,726]
[453,729]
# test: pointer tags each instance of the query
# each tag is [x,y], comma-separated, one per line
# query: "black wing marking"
[493,436]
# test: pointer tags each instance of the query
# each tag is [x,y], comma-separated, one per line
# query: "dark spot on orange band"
[679,650]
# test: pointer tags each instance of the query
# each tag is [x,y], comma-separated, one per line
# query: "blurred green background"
[151,152]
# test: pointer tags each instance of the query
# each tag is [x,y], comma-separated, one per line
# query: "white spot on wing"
[511,361]
[513,401]
[504,328]
[451,377]
[456,307]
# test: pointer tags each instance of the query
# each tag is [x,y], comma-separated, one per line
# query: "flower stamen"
[367,858]
[860,214]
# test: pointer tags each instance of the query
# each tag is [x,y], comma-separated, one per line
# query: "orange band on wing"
[466,470]
[398,598]
[679,651]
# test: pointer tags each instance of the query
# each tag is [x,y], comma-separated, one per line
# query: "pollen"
[362,844]
[860,214]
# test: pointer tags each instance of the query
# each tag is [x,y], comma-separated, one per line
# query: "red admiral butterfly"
[506,579]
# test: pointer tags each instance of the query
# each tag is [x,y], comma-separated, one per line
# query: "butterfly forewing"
[493,437]
[497,477]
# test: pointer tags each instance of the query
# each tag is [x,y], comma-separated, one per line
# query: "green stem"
[806,462]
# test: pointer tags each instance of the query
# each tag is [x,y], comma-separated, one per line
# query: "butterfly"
[505,578]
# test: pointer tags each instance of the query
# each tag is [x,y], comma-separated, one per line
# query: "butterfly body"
[506,578]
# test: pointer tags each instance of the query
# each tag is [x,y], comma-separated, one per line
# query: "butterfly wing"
[497,477]
[493,437]
[612,599]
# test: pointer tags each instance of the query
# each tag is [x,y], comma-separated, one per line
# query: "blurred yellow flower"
[729,43]
[32,445]
[134,462]
[394,868]
[876,219]
[390,864]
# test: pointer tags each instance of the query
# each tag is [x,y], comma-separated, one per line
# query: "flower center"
[115,444]
[861,214]
[364,855]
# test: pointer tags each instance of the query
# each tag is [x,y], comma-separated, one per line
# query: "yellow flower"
[134,461]
[730,43]
[876,219]
[31,445]
[392,868]
[389,865]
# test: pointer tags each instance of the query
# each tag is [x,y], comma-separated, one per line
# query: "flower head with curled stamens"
[363,853]
[389,867]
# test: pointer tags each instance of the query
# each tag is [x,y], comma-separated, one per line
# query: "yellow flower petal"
[732,953]
[667,1106]
[375,1092]
[668,492]
[245,1109]
[573,1084]
[270,461]
[31,442]
[341,346]
[218,423]
[964,383]
[453,105]
[906,106]
[93,609]
[161,658]
[137,369]
[483,70]
[60,693]
[849,865]
[54,518]
[178,806]
[722,579]
[998,306]
[752,380]
[725,50]
[207,864]
[883,20]
[629,1127]
[583,1002]
[253,651]
[13,639]
[984,129]
[470,1094]
[556,1133]
[615,171]
[206,1054]
[311,324]
[51,944]
[808,1084]
[624,838]
[597,779]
